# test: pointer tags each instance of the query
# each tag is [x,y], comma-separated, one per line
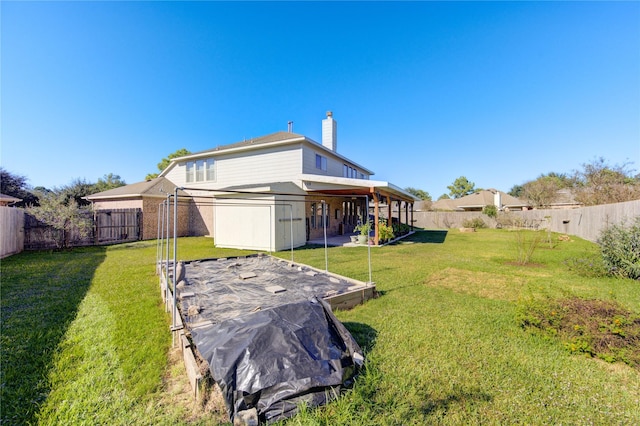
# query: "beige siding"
[178,174]
[334,164]
[260,166]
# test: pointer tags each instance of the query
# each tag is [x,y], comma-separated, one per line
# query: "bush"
[590,266]
[490,210]
[385,232]
[476,222]
[620,248]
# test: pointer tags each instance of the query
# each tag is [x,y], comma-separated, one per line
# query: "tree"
[16,186]
[164,163]
[63,215]
[423,195]
[76,191]
[444,197]
[461,187]
[600,183]
[516,191]
[108,182]
[541,192]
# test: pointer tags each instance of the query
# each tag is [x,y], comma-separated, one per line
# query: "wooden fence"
[584,222]
[11,231]
[102,227]
[117,225]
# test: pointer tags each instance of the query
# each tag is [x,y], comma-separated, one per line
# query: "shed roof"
[158,187]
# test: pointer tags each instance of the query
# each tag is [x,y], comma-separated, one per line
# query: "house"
[481,199]
[268,193]
[7,200]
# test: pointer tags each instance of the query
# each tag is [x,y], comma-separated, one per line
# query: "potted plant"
[363,228]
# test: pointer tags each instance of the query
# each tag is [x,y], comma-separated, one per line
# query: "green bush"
[620,248]
[490,210]
[385,232]
[476,222]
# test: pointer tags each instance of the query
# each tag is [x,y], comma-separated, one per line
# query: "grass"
[444,342]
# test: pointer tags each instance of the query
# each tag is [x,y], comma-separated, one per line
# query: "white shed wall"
[259,224]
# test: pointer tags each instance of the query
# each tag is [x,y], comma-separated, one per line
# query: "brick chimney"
[330,132]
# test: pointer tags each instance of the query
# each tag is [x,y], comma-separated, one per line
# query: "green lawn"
[85,338]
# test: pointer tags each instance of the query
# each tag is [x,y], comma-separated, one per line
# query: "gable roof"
[158,187]
[273,139]
[479,200]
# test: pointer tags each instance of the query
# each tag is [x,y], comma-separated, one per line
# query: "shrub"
[476,222]
[526,242]
[490,210]
[590,266]
[385,232]
[620,248]
[597,328]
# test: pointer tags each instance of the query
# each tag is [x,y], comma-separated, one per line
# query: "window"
[200,170]
[211,172]
[321,162]
[190,171]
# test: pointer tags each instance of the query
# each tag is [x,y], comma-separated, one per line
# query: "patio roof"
[346,186]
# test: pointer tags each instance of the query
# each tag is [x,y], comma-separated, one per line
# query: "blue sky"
[423,92]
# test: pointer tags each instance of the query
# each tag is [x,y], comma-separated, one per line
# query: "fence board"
[11,231]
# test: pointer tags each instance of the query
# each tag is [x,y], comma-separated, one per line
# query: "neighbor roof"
[8,199]
[479,200]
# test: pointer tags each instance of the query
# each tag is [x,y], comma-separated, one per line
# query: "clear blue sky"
[423,92]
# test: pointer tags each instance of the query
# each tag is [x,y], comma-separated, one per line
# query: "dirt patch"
[481,284]
[209,408]
[597,328]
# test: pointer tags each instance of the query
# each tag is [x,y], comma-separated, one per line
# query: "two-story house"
[265,193]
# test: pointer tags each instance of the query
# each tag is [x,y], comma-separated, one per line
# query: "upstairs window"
[321,162]
[200,170]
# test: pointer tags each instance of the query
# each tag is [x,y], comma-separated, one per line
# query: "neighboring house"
[265,193]
[481,199]
[7,200]
[564,200]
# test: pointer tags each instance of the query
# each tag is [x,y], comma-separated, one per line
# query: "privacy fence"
[584,222]
[22,231]
[11,231]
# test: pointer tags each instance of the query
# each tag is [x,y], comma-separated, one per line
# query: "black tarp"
[274,359]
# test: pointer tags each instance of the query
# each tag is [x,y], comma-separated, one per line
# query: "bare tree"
[599,183]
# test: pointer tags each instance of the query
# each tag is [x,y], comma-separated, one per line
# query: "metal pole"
[175,256]
[158,248]
[324,227]
[369,236]
[166,268]
[291,228]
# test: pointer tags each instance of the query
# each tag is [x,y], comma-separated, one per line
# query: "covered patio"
[382,199]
